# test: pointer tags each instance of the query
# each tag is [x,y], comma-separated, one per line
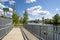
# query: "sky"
[36,8]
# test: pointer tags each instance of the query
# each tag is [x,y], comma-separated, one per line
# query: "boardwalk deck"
[15,34]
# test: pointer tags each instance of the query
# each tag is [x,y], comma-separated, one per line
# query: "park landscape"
[29,20]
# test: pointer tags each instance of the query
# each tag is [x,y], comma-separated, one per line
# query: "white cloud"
[50,16]
[38,13]
[3,6]
[37,10]
[10,9]
[4,0]
[30,18]
[57,9]
[9,13]
[12,2]
[30,1]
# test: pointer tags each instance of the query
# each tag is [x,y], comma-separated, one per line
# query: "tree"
[25,18]
[37,20]
[15,18]
[56,19]
[43,19]
[21,20]
[49,21]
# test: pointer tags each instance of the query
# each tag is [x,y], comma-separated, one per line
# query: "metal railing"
[5,28]
[44,32]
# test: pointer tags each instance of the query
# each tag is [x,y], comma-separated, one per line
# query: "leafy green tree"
[25,18]
[21,20]
[43,19]
[37,20]
[48,21]
[56,19]
[15,18]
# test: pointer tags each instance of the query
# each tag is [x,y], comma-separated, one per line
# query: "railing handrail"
[3,28]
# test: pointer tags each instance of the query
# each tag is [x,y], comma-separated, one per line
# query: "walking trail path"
[15,34]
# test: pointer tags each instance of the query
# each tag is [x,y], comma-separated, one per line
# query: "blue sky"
[37,8]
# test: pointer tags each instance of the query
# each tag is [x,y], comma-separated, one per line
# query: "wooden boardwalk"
[15,34]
